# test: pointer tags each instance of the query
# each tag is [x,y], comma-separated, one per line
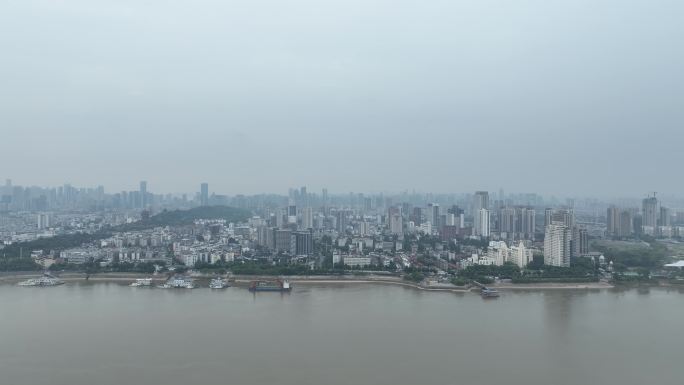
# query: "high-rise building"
[529,223]
[430,213]
[143,194]
[436,222]
[613,221]
[665,217]
[450,219]
[364,228]
[483,223]
[564,216]
[341,221]
[619,222]
[396,224]
[301,243]
[292,214]
[507,222]
[417,216]
[43,221]
[517,222]
[548,213]
[303,197]
[307,218]
[649,212]
[581,242]
[557,245]
[626,228]
[480,202]
[282,240]
[204,194]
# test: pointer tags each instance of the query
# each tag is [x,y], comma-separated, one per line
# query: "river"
[106,333]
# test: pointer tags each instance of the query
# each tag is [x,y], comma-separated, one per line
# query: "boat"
[178,282]
[182,282]
[270,285]
[218,283]
[142,282]
[45,280]
[489,293]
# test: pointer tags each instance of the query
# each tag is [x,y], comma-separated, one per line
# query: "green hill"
[165,218]
[187,217]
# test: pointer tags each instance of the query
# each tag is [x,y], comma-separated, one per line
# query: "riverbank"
[383,281]
[553,286]
[244,280]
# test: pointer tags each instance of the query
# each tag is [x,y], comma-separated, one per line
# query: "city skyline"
[196,189]
[245,97]
[388,192]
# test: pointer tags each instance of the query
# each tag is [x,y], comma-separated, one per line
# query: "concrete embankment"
[241,280]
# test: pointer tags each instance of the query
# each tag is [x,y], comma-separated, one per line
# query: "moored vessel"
[270,285]
[178,282]
[489,293]
[45,280]
[218,283]
[142,282]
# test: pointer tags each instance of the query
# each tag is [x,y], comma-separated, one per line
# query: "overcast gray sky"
[564,97]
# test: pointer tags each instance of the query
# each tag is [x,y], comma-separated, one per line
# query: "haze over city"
[370,96]
[341,192]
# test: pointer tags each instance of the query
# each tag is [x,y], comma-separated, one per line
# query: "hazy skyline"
[558,97]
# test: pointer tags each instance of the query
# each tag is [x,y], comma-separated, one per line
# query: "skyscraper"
[548,213]
[396,224]
[483,228]
[613,221]
[557,245]
[436,216]
[307,218]
[480,202]
[650,212]
[665,217]
[301,243]
[204,194]
[341,221]
[303,197]
[143,194]
[626,223]
[43,221]
[619,222]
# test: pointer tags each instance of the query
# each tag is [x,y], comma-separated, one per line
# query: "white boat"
[181,282]
[218,283]
[45,280]
[142,282]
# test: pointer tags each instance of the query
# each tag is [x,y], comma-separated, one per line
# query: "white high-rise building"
[482,227]
[557,245]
